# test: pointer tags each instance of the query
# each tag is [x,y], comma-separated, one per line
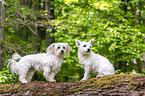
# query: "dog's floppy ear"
[78,42]
[68,48]
[50,49]
[91,41]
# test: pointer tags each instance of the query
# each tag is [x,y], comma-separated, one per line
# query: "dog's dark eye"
[58,47]
[63,47]
[90,46]
[84,45]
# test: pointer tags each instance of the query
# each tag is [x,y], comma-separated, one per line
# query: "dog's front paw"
[83,79]
[99,76]
[24,81]
[52,80]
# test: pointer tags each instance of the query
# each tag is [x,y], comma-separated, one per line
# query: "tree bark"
[140,21]
[122,64]
[50,15]
[36,39]
[2,14]
[26,2]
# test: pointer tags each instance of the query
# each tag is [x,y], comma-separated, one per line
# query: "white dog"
[49,63]
[92,62]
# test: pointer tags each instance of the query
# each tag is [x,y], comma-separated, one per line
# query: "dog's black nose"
[88,50]
[62,51]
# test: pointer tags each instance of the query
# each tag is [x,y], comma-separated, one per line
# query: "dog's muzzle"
[62,51]
[88,50]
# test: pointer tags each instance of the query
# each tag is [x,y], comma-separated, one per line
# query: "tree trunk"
[23,32]
[2,14]
[36,41]
[139,20]
[50,15]
[122,64]
[26,2]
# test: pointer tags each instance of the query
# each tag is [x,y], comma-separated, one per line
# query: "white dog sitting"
[92,62]
[49,63]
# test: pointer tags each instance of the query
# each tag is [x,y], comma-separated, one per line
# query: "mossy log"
[125,85]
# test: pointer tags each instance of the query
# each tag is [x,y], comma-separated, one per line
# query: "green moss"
[106,82]
[108,87]
[12,88]
[133,85]
[5,88]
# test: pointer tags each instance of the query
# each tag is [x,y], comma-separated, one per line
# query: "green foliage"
[119,34]
[6,77]
[114,31]
[131,72]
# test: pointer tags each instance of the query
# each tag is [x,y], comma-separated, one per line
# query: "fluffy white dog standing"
[92,62]
[49,63]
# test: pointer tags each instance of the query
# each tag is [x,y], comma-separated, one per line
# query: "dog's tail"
[12,62]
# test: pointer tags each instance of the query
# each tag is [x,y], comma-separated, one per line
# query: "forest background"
[30,26]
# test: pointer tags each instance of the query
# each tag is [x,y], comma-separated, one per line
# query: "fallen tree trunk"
[125,84]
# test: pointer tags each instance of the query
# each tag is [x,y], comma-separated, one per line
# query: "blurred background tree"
[2,19]
[117,26]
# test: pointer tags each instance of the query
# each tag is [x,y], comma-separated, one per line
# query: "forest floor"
[124,85]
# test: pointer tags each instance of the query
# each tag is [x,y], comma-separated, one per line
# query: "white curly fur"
[49,63]
[92,62]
